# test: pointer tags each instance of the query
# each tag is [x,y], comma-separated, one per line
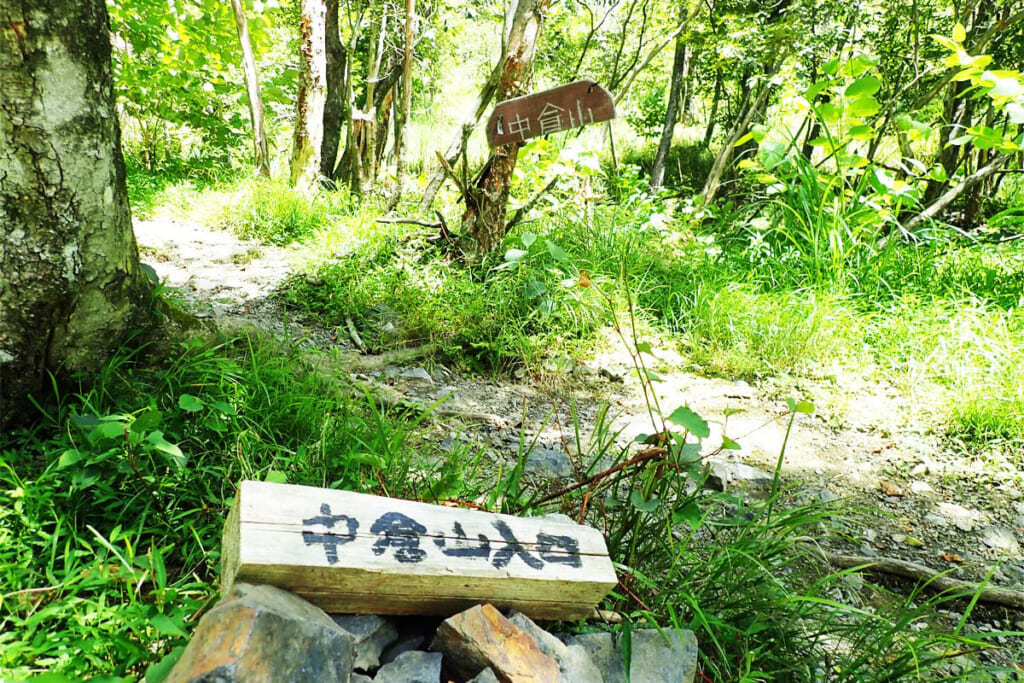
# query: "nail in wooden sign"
[569,106]
[355,553]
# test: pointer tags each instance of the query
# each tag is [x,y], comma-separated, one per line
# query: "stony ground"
[937,506]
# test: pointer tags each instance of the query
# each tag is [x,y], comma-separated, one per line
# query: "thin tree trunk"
[484,219]
[936,207]
[72,289]
[715,99]
[336,105]
[671,113]
[252,88]
[309,116]
[402,119]
[713,183]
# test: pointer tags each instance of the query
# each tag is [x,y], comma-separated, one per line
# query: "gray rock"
[723,476]
[813,494]
[485,676]
[360,678]
[657,656]
[416,374]
[371,634]
[933,519]
[1000,538]
[574,663]
[241,638]
[549,462]
[411,667]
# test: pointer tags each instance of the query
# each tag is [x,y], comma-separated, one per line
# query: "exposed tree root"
[1005,597]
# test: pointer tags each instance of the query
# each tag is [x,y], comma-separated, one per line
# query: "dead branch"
[528,206]
[994,595]
[410,221]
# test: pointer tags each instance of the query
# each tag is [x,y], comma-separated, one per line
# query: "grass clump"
[113,505]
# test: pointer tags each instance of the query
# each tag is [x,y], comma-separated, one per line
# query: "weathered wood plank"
[569,106]
[357,553]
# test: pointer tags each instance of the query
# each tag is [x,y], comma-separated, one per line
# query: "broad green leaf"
[830,67]
[276,477]
[165,625]
[689,513]
[730,445]
[556,252]
[528,238]
[815,89]
[827,112]
[190,403]
[959,33]
[805,407]
[69,458]
[158,673]
[636,499]
[690,421]
[866,85]
[644,347]
[862,132]
[147,421]
[515,255]
[772,154]
[109,430]
[535,288]
[863,106]
[158,442]
[945,42]
[224,407]
[652,375]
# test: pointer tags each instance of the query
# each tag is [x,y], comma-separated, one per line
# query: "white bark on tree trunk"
[252,88]
[71,288]
[309,115]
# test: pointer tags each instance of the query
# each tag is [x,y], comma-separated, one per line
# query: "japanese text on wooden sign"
[569,106]
[401,535]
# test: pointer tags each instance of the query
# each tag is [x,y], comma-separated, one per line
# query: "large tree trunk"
[484,219]
[252,88]
[71,287]
[672,113]
[309,116]
[336,104]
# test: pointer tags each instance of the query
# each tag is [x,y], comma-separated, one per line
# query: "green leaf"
[147,421]
[864,106]
[535,288]
[224,407]
[959,33]
[276,477]
[805,407]
[158,673]
[730,445]
[652,375]
[644,347]
[159,443]
[515,255]
[556,252]
[866,85]
[861,132]
[636,499]
[815,89]
[109,430]
[528,238]
[69,458]
[163,624]
[689,513]
[830,67]
[190,403]
[690,421]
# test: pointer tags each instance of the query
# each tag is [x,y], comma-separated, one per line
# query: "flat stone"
[549,462]
[964,519]
[416,374]
[655,658]
[1000,538]
[728,475]
[241,638]
[574,663]
[481,637]
[414,666]
[360,678]
[370,634]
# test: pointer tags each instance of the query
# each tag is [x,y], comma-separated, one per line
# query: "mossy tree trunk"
[484,219]
[71,288]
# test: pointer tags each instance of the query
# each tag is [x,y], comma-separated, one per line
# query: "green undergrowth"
[112,506]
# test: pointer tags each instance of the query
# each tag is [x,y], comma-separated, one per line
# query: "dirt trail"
[939,508]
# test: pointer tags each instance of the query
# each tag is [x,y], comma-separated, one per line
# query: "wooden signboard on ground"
[351,552]
[569,106]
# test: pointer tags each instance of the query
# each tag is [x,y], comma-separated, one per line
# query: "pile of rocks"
[262,633]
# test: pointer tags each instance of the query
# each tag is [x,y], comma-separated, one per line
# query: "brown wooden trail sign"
[351,552]
[569,106]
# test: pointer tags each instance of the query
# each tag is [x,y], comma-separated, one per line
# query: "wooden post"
[355,553]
